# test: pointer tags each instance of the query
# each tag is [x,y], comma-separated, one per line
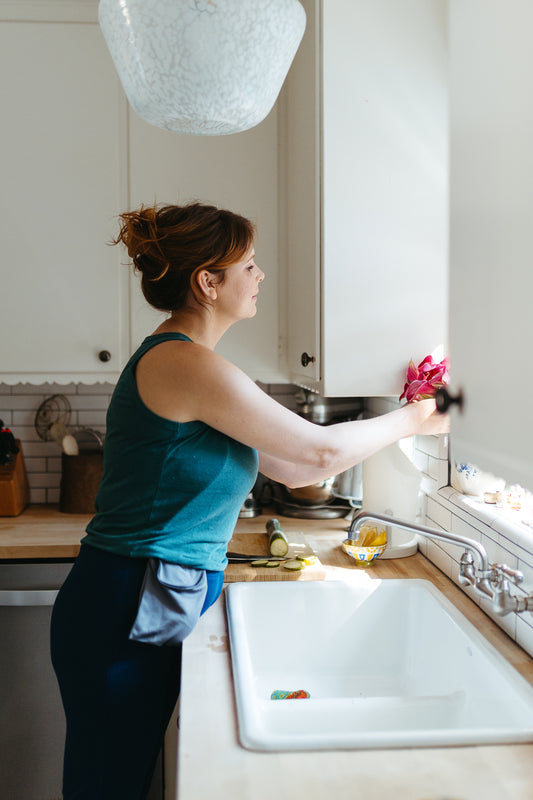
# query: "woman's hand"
[430,420]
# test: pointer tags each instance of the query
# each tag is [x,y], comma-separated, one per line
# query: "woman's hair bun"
[168,245]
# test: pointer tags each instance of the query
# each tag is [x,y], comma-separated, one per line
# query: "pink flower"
[424,380]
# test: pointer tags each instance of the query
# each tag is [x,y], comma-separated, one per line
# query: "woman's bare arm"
[184,382]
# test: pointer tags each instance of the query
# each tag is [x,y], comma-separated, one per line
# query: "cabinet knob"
[444,400]
[104,355]
[306,359]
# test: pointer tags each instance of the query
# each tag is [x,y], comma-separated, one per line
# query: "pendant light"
[202,66]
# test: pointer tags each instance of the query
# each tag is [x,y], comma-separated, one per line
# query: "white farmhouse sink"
[390,663]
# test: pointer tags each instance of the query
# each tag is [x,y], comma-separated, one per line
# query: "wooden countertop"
[42,531]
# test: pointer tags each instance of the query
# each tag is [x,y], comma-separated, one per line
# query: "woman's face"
[237,293]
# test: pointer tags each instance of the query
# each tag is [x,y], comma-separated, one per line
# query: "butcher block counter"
[211,762]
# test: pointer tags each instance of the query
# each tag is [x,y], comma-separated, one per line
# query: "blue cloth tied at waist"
[170,604]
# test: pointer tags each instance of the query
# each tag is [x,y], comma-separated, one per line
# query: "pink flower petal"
[412,372]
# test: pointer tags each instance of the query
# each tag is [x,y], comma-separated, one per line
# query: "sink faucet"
[491,580]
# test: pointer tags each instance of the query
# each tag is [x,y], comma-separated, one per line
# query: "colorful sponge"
[299,694]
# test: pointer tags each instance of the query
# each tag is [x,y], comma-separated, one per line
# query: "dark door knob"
[306,359]
[104,355]
[444,400]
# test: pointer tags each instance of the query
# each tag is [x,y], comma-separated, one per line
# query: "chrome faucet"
[491,580]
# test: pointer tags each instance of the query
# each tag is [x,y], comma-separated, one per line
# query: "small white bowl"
[469,479]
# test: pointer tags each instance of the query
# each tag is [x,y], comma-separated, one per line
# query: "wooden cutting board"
[257,544]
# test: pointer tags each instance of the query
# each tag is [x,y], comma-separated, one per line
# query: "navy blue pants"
[118,695]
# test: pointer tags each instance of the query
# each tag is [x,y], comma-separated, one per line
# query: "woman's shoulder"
[174,378]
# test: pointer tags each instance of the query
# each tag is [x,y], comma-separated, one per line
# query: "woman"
[186,434]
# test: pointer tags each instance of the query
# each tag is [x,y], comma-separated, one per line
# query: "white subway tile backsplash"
[421,460]
[524,633]
[428,484]
[88,403]
[438,514]
[441,558]
[18,407]
[53,464]
[498,554]
[472,529]
[46,479]
[35,464]
[428,445]
[52,495]
[92,419]
[482,522]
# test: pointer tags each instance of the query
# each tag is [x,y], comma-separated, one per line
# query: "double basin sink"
[384,663]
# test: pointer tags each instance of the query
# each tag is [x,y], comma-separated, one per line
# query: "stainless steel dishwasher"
[32,724]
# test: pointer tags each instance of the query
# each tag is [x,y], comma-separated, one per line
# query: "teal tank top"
[170,490]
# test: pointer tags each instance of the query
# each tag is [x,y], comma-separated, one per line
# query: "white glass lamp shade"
[202,66]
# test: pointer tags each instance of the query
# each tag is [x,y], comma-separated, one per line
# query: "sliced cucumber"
[278,543]
[272,564]
[294,564]
[307,560]
[261,562]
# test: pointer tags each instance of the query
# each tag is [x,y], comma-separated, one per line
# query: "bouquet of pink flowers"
[424,380]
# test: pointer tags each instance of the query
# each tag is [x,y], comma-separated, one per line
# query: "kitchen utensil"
[89,439]
[69,445]
[237,558]
[313,494]
[55,409]
[59,433]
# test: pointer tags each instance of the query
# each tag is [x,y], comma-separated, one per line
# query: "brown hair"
[169,245]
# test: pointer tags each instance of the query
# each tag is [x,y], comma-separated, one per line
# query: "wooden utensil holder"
[14,488]
[80,479]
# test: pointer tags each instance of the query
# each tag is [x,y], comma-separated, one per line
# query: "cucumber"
[278,543]
[272,564]
[307,560]
[294,564]
[273,525]
[261,562]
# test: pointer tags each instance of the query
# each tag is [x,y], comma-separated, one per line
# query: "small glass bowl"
[363,556]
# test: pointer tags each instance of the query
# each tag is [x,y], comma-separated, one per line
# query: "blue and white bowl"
[469,479]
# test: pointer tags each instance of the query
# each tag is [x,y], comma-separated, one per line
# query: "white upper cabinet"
[61,177]
[74,156]
[367,194]
[238,172]
[491,245]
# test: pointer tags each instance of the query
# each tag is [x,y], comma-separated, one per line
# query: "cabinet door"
[380,73]
[239,172]
[60,188]
[300,148]
[491,281]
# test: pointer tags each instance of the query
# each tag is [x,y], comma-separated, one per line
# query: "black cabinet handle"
[306,359]
[104,355]
[444,400]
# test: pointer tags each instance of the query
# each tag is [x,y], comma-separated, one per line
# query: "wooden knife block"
[14,488]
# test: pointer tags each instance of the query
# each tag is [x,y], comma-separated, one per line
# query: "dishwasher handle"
[27,597]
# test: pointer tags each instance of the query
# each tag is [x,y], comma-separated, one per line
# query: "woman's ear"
[207,282]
